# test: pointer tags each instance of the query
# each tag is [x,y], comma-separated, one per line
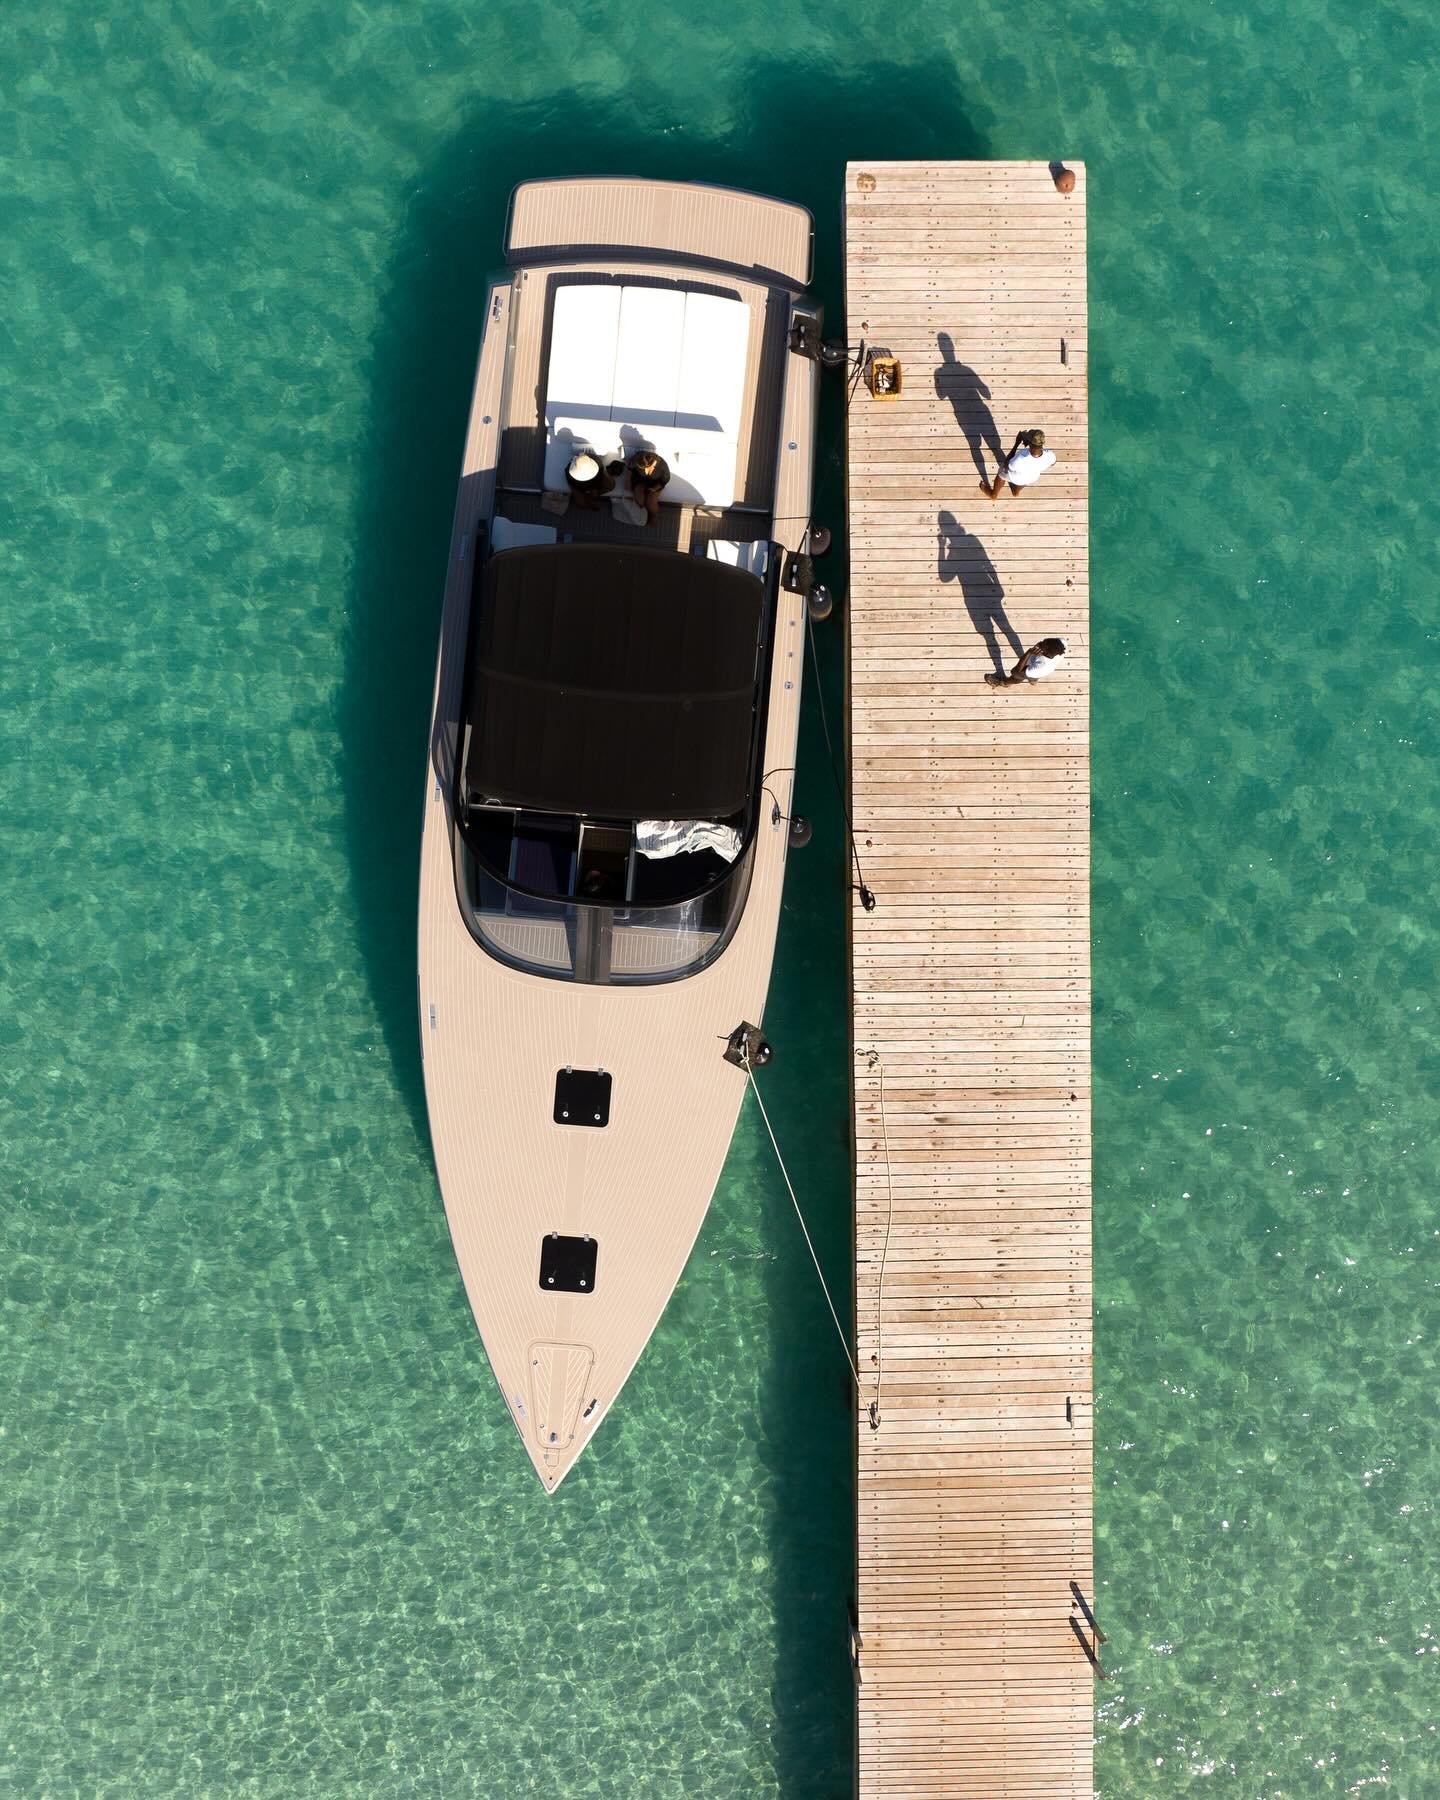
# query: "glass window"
[598,940]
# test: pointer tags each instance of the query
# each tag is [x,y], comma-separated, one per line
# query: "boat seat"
[753,555]
[542,856]
[507,534]
[661,369]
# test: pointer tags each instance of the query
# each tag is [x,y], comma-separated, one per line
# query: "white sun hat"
[584,467]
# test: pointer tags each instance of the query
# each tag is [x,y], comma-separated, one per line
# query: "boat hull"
[494,1041]
[494,1038]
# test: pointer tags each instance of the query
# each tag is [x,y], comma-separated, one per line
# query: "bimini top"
[614,682]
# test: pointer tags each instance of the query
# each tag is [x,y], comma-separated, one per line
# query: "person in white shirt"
[1039,660]
[1027,462]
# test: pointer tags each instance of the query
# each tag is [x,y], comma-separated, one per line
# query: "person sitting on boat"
[588,480]
[649,474]
[1027,461]
[1039,660]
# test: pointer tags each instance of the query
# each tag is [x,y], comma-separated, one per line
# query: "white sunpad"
[581,378]
[712,364]
[647,356]
[583,330]
[675,365]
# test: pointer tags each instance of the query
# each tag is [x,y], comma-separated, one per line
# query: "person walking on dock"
[1039,660]
[1026,463]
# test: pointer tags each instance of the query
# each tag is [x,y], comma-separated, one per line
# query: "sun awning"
[613,681]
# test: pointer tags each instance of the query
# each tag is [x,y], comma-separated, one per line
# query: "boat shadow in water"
[794,127]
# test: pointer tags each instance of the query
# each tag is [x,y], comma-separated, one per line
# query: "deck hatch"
[567,1264]
[582,1097]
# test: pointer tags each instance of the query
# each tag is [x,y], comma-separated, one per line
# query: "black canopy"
[614,681]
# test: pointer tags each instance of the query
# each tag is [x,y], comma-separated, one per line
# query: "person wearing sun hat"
[1027,462]
[588,480]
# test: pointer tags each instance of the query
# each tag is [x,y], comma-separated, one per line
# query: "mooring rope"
[824,1289]
[878,1068]
[867,898]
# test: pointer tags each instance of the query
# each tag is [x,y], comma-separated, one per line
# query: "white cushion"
[753,556]
[583,330]
[506,534]
[647,355]
[712,364]
[702,463]
[671,368]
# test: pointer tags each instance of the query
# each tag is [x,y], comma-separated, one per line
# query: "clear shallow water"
[264,1527]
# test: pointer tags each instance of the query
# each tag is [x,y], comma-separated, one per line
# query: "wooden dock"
[971,987]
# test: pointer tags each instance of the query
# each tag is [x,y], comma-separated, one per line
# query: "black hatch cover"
[567,1264]
[582,1097]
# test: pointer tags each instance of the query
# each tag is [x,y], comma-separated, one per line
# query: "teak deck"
[971,986]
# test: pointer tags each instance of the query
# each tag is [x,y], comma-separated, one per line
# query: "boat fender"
[820,601]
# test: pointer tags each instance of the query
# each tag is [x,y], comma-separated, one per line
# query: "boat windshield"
[597,938]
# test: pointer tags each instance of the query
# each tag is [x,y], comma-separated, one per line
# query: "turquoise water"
[265,1528]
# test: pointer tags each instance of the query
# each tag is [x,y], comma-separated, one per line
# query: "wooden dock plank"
[971,986]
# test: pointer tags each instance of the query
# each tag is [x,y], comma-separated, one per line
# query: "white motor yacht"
[611,758]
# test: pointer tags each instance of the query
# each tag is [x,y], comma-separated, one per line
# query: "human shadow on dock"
[963,558]
[963,390]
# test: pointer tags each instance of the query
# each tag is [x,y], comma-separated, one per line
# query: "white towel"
[629,511]
[674,837]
